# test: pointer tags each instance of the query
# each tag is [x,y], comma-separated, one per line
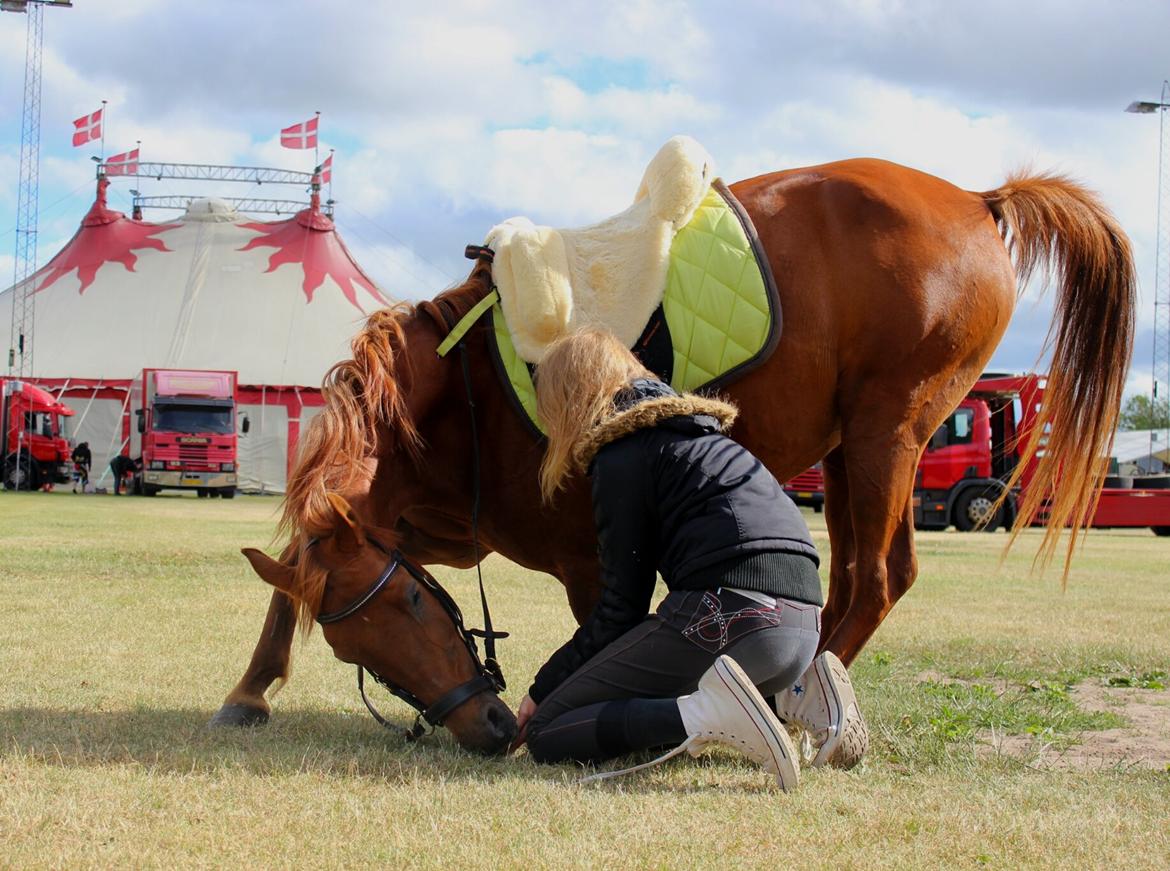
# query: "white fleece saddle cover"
[720,315]
[613,273]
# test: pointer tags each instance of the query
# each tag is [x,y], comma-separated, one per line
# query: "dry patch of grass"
[125,622]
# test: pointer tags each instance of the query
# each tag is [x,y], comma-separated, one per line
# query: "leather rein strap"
[488,679]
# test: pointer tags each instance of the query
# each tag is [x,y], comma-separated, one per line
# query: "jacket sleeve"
[627,537]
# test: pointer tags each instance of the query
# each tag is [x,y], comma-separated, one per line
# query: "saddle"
[612,273]
[681,278]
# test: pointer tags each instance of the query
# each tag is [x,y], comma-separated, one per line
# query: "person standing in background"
[82,462]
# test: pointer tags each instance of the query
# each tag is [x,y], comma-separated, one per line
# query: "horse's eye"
[415,596]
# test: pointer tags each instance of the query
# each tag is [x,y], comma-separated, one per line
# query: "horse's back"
[890,280]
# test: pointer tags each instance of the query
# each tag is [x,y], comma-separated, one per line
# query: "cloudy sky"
[448,117]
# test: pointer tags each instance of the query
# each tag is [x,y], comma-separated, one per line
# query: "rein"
[489,678]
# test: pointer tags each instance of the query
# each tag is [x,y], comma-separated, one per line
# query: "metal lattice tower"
[20,355]
[1161,361]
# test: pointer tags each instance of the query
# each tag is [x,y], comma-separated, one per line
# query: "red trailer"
[32,434]
[968,461]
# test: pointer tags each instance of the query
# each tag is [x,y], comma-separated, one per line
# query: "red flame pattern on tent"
[308,239]
[105,236]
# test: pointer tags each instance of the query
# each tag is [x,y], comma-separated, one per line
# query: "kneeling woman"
[671,494]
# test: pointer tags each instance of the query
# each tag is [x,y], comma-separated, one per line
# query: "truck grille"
[193,455]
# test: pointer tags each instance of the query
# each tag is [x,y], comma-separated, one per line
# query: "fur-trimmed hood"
[646,404]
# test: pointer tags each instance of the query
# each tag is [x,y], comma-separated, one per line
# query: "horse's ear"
[271,571]
[348,527]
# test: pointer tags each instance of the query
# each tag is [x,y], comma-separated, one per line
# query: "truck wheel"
[150,489]
[228,492]
[202,492]
[1161,531]
[21,473]
[973,506]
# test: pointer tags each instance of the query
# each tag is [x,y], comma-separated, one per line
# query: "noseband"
[490,677]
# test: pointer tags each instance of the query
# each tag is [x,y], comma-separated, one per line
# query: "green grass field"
[125,621]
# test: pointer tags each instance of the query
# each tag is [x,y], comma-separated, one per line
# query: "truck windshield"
[193,418]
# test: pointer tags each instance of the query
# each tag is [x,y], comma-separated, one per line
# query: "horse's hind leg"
[245,705]
[839,521]
[880,477]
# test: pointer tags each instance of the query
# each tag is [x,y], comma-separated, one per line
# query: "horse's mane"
[365,415]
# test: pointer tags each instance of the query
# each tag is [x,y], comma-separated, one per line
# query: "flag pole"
[316,139]
[103,131]
[330,174]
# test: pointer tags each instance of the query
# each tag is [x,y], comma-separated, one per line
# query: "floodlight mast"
[20,353]
[1160,436]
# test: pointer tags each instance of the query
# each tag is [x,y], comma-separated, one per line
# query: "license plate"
[198,482]
[805,495]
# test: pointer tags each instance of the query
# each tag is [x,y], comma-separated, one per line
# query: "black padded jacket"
[672,494]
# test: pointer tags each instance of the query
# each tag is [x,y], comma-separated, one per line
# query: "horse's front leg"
[245,705]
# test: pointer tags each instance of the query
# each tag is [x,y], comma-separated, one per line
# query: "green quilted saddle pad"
[720,304]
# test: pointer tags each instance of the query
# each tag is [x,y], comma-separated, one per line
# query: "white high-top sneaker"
[823,703]
[727,709]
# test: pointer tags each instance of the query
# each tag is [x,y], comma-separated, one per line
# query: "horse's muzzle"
[488,728]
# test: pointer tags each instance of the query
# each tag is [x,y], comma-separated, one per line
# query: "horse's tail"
[1051,222]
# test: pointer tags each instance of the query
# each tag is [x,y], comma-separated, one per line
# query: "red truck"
[185,437]
[32,433]
[970,457]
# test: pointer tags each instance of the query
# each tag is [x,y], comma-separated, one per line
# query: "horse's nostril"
[502,725]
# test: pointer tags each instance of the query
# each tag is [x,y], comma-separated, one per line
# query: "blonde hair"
[576,383]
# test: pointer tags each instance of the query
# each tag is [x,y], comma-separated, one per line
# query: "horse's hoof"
[239,715]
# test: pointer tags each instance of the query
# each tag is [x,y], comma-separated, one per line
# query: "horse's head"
[388,616]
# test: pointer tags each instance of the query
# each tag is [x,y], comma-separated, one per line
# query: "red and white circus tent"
[275,300]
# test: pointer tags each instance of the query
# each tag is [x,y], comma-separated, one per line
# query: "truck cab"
[36,448]
[966,465]
[185,432]
[957,453]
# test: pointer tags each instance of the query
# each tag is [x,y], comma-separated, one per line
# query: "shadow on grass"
[294,742]
[179,742]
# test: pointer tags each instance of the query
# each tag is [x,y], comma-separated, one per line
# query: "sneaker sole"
[830,671]
[853,744]
[785,764]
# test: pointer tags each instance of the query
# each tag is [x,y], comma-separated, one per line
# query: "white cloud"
[449,119]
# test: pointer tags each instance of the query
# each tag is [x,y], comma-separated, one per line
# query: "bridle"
[489,677]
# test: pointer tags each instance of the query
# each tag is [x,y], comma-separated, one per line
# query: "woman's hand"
[523,715]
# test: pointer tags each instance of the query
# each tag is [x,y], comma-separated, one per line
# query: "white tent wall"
[263,452]
[99,422]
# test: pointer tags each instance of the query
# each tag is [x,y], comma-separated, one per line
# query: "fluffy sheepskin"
[611,273]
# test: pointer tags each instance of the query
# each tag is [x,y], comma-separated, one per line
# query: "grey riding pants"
[662,658]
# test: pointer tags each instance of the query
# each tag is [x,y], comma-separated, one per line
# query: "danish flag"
[87,128]
[123,164]
[300,136]
[327,170]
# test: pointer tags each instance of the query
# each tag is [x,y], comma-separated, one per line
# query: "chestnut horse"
[896,288]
